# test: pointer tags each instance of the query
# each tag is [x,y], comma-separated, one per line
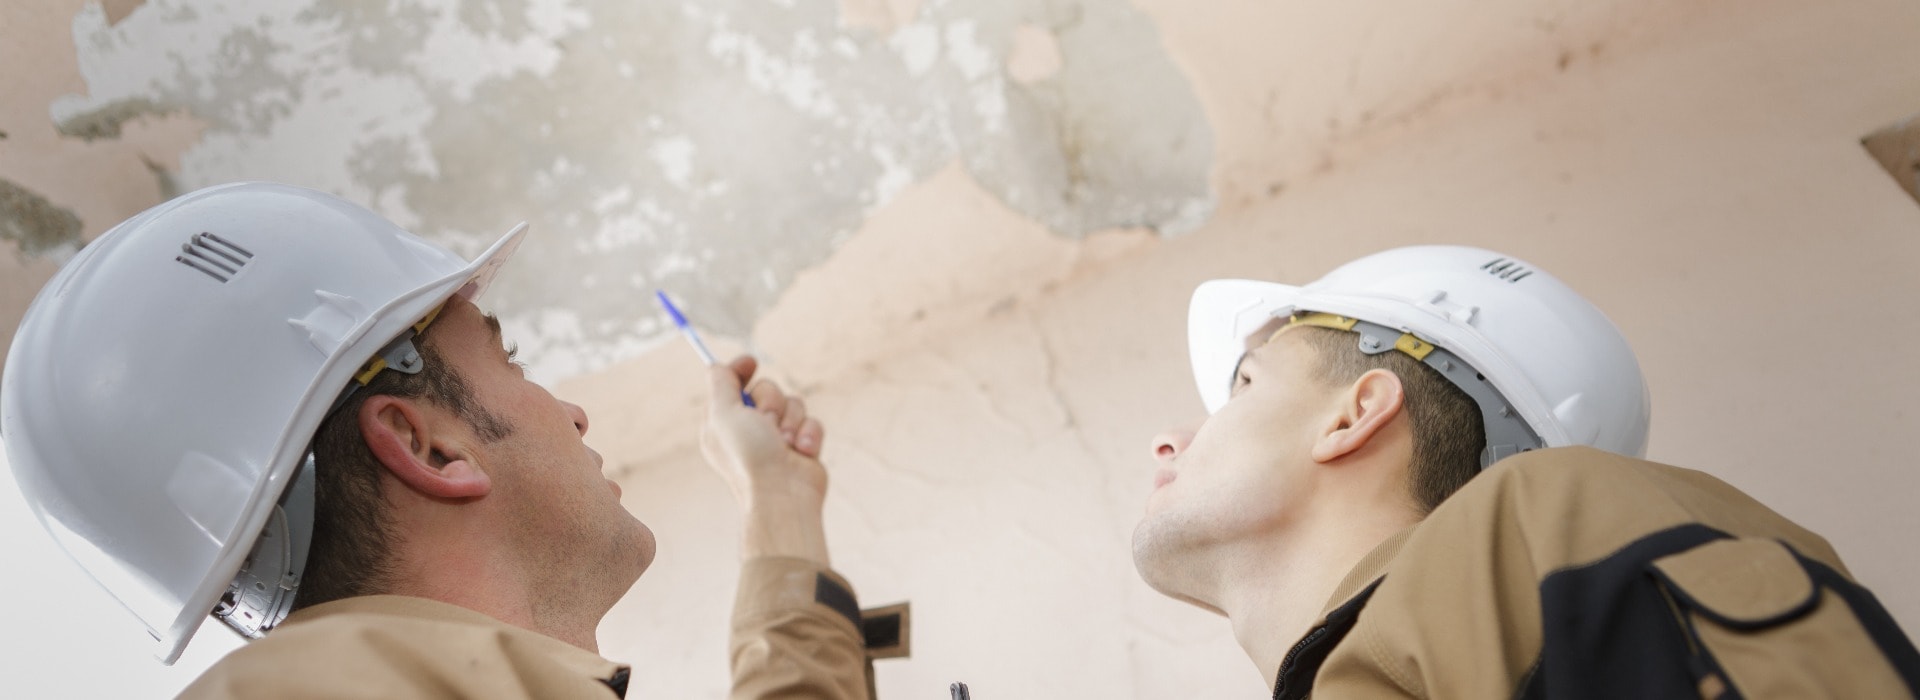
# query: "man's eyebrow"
[493,325]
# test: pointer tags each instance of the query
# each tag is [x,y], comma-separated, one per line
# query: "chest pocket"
[1762,621]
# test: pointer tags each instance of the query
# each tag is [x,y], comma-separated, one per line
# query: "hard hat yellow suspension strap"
[1407,343]
[1323,320]
[1507,433]
[399,355]
[372,368]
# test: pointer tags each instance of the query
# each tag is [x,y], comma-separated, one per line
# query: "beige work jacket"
[791,638]
[1578,573]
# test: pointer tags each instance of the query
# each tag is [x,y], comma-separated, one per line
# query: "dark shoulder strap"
[1295,679]
[1626,626]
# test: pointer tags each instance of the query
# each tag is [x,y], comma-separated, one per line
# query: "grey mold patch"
[714,148]
[163,179]
[37,226]
[105,121]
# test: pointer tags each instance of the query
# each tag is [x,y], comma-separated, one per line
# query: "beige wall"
[1693,168]
[989,388]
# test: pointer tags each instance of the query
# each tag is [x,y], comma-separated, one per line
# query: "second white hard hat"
[162,389]
[1547,368]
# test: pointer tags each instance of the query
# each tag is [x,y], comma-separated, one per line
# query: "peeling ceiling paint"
[711,148]
[37,226]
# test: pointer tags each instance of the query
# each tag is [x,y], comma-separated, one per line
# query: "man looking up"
[257,400]
[1334,507]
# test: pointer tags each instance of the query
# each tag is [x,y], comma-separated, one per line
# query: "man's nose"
[1170,444]
[579,417]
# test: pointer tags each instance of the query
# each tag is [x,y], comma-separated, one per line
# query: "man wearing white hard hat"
[1421,477]
[270,405]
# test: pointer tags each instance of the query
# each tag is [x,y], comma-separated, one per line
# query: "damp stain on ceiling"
[714,148]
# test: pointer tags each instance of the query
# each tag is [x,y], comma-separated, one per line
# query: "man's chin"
[1157,559]
[644,547]
[1150,557]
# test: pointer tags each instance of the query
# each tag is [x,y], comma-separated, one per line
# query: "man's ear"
[404,439]
[1365,408]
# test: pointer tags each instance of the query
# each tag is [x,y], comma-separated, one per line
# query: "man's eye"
[513,352]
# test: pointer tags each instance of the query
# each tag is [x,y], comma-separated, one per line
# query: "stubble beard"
[1163,555]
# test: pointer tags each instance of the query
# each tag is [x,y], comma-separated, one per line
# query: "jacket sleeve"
[796,634]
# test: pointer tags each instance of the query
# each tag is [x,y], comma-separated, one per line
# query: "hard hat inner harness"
[399,355]
[1506,432]
[262,592]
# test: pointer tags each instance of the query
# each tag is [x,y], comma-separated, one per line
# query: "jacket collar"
[1371,567]
[575,659]
[1294,679]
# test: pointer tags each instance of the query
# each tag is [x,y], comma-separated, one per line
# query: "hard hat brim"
[1220,320]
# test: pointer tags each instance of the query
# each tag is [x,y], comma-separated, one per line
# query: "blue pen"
[686,329]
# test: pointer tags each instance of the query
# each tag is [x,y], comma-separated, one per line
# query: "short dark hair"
[353,536]
[1448,433]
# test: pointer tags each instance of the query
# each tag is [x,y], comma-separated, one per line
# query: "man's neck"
[1273,596]
[500,590]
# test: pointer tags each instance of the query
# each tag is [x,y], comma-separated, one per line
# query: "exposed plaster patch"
[38,227]
[117,10]
[1035,55]
[162,178]
[942,255]
[879,16]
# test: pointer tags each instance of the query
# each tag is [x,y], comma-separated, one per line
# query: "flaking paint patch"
[918,45]
[715,148]
[106,121]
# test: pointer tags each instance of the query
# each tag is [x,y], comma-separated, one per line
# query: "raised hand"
[769,457]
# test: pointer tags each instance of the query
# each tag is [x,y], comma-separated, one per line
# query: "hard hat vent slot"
[1509,270]
[218,257]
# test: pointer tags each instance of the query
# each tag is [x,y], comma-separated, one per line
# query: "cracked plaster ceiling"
[711,148]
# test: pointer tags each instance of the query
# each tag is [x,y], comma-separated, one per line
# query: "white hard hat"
[1545,366]
[162,389]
